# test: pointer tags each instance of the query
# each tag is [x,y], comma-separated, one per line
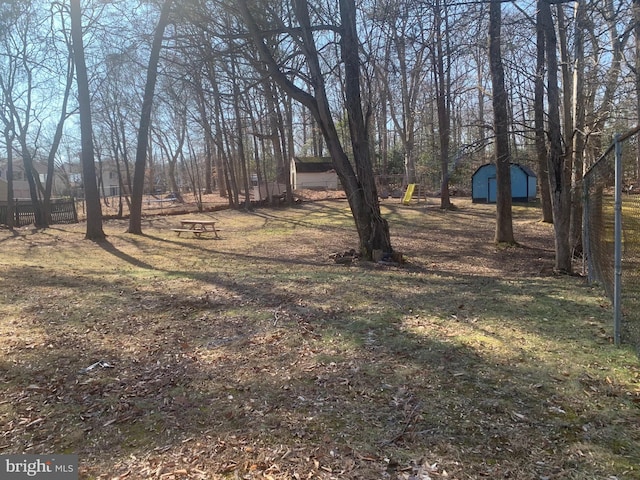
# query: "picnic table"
[197,227]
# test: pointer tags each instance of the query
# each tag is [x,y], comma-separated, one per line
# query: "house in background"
[20,184]
[71,182]
[313,173]
[4,187]
[484,184]
[110,180]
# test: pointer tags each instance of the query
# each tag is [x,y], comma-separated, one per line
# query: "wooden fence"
[61,211]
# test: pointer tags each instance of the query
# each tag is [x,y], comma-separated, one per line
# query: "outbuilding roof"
[313,164]
[528,172]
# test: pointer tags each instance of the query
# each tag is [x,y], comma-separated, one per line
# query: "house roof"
[313,164]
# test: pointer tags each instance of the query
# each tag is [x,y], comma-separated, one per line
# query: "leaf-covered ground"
[257,356]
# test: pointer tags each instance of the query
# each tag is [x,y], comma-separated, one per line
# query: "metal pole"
[617,252]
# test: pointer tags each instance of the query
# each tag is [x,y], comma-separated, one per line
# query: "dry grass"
[256,356]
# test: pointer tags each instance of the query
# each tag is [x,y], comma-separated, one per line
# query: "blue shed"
[484,187]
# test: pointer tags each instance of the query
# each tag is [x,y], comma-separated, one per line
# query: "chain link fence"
[611,232]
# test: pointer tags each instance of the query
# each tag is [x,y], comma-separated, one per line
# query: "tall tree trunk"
[231,172]
[481,93]
[221,160]
[504,221]
[9,135]
[373,229]
[444,112]
[135,220]
[92,196]
[208,135]
[127,180]
[381,123]
[30,172]
[57,137]
[359,185]
[636,33]
[411,82]
[242,156]
[567,111]
[559,168]
[173,154]
[539,124]
[288,140]
[278,138]
[578,144]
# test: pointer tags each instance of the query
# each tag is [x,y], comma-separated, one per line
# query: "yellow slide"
[408,194]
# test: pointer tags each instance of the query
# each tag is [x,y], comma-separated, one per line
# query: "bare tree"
[559,167]
[359,183]
[92,196]
[9,135]
[30,61]
[636,32]
[578,115]
[205,122]
[6,117]
[240,131]
[135,220]
[443,102]
[504,222]
[64,113]
[403,61]
[115,105]
[17,86]
[539,123]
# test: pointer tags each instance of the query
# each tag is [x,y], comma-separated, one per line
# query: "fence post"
[16,213]
[75,213]
[617,251]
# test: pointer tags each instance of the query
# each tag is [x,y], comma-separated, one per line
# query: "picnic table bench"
[197,227]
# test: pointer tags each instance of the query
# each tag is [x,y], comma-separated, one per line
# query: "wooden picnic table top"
[193,221]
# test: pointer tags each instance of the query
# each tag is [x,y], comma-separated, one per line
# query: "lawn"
[257,356]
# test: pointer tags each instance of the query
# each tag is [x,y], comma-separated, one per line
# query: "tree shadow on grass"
[108,247]
[348,383]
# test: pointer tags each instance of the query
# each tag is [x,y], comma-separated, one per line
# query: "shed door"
[492,190]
